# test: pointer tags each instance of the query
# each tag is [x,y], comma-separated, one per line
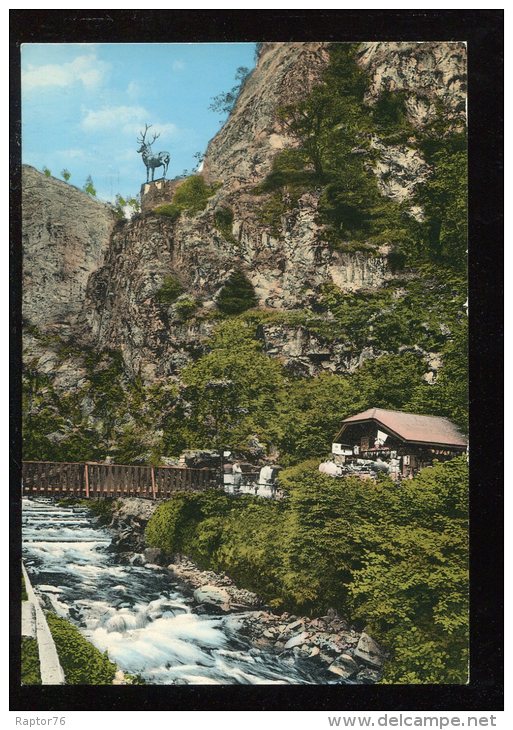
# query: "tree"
[237,295]
[225,101]
[47,172]
[66,174]
[89,187]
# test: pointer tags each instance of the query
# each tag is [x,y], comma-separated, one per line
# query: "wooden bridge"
[65,479]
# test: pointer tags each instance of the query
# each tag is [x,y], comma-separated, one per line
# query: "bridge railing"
[67,479]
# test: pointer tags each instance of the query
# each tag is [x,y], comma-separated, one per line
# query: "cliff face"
[240,155]
[66,235]
[99,282]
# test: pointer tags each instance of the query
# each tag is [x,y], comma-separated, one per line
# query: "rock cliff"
[96,280]
[66,235]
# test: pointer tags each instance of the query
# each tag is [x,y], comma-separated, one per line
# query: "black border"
[483,31]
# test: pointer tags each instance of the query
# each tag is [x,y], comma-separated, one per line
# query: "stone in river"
[297,640]
[345,666]
[212,594]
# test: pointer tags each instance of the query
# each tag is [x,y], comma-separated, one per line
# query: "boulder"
[211,594]
[297,640]
[368,651]
[152,555]
[345,666]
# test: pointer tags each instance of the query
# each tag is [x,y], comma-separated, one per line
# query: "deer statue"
[161,159]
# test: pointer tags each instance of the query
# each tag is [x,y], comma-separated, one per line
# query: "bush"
[394,557]
[81,662]
[169,290]
[223,221]
[186,306]
[30,669]
[237,295]
[169,210]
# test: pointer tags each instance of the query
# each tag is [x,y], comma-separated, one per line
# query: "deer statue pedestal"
[157,193]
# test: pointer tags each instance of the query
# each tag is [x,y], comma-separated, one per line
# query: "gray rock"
[153,555]
[369,651]
[297,640]
[345,666]
[212,594]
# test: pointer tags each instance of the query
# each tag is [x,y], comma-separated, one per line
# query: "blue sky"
[83,106]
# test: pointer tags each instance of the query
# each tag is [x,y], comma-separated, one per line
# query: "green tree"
[413,586]
[444,200]
[47,172]
[66,174]
[225,101]
[232,390]
[237,294]
[89,187]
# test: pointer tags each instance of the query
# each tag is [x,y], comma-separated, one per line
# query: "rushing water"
[144,619]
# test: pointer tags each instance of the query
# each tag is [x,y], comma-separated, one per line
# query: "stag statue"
[161,159]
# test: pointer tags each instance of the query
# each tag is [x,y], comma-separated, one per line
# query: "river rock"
[212,594]
[297,640]
[369,651]
[345,666]
[152,555]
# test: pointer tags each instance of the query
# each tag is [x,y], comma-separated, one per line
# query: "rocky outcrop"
[428,72]
[65,236]
[97,281]
[241,154]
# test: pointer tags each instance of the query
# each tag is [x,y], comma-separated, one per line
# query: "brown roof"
[412,427]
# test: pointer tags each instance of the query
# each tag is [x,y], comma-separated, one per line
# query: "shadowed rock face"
[66,234]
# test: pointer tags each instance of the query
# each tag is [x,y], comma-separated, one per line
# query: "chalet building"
[401,442]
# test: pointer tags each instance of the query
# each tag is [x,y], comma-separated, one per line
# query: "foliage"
[392,556]
[223,221]
[81,662]
[231,391]
[237,294]
[47,172]
[336,131]
[169,290]
[121,204]
[168,210]
[413,583]
[30,669]
[89,187]
[66,174]
[225,101]
[190,197]
[186,306]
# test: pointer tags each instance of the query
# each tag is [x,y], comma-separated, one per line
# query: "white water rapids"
[144,620]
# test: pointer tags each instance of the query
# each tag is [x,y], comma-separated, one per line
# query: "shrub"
[186,306]
[81,662]
[237,295]
[223,221]
[30,669]
[169,210]
[169,290]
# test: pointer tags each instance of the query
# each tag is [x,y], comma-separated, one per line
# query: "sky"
[83,106]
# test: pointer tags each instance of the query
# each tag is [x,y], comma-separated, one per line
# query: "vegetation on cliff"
[394,559]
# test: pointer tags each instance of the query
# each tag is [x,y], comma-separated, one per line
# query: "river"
[140,615]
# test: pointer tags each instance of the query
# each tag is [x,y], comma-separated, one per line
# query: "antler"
[143,137]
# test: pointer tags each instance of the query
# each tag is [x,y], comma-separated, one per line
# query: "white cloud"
[133,89]
[127,119]
[87,70]
[178,65]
